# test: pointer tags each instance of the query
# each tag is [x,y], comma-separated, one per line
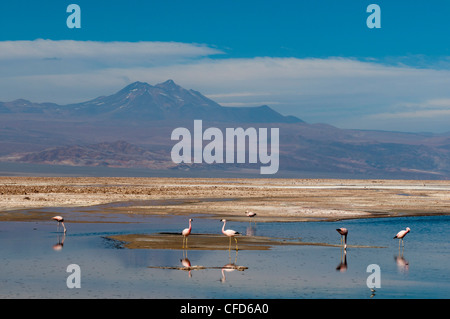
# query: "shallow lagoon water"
[32,268]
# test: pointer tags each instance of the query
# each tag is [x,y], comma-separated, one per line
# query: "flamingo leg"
[186,242]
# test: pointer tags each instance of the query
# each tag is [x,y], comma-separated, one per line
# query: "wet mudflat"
[285,260]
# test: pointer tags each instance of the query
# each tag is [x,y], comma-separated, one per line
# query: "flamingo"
[343,231]
[401,234]
[186,232]
[60,220]
[250,214]
[230,233]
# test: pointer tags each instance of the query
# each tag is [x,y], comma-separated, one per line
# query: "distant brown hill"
[115,154]
[132,128]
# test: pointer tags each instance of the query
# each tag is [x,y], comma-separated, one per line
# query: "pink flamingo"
[186,232]
[250,214]
[230,233]
[343,231]
[60,220]
[401,234]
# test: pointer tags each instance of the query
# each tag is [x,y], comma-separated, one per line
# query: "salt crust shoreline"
[271,199]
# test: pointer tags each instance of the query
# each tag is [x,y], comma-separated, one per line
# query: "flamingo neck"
[223,227]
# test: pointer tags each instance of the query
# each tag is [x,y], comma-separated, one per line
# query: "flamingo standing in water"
[401,234]
[343,231]
[186,232]
[60,220]
[230,233]
[250,214]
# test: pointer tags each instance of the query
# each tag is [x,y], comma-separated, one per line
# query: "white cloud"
[413,114]
[340,91]
[429,104]
[429,109]
[257,103]
[236,94]
[70,71]
[117,52]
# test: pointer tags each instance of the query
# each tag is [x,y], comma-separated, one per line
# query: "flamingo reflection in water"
[402,263]
[230,267]
[250,231]
[186,263]
[226,268]
[59,246]
[342,267]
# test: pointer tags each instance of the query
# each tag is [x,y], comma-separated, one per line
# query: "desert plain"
[272,199]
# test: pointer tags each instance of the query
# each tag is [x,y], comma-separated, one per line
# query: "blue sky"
[308,28]
[313,59]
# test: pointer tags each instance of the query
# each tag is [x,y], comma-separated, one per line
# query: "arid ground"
[271,199]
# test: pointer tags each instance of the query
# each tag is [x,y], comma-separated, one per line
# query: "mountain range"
[141,101]
[132,128]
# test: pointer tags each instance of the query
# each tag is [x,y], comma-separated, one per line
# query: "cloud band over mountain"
[345,92]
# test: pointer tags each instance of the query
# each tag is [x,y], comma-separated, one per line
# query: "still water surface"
[33,261]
